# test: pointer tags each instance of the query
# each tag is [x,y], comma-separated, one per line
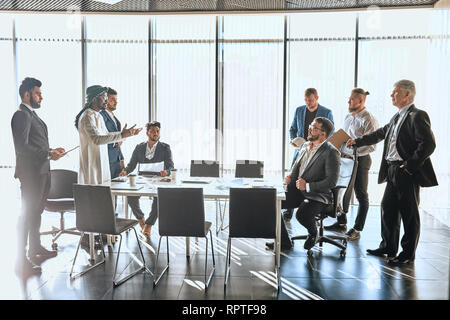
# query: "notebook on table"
[197,180]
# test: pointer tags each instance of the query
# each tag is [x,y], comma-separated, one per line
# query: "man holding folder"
[357,123]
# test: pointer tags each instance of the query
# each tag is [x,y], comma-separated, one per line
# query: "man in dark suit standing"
[116,160]
[314,173]
[405,166]
[152,151]
[33,156]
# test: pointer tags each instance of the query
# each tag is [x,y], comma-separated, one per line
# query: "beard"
[33,103]
[312,137]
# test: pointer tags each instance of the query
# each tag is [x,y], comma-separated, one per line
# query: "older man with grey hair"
[405,166]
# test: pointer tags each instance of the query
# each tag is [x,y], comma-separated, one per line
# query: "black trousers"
[136,208]
[306,212]
[360,187]
[34,190]
[400,203]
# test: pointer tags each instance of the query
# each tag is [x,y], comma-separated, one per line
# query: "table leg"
[125,203]
[91,248]
[188,247]
[277,240]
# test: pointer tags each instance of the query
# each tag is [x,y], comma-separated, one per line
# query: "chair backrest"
[62,182]
[249,169]
[252,212]
[204,168]
[94,209]
[347,176]
[181,212]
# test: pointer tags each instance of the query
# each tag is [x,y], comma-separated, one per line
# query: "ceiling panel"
[150,6]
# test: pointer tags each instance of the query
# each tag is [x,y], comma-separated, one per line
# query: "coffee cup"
[173,175]
[132,180]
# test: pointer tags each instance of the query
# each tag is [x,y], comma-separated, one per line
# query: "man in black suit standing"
[405,166]
[33,156]
[116,160]
[151,151]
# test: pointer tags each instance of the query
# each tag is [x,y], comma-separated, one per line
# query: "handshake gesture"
[130,132]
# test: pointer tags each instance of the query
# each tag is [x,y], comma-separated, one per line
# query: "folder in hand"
[339,138]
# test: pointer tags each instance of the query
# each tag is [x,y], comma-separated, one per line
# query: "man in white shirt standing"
[357,123]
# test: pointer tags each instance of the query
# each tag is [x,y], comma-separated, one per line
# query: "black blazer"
[162,153]
[415,143]
[30,137]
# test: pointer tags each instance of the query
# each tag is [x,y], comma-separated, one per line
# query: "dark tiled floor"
[323,276]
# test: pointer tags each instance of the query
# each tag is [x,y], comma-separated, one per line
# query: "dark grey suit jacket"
[30,142]
[415,144]
[322,173]
[162,153]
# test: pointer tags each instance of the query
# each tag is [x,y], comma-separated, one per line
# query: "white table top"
[218,188]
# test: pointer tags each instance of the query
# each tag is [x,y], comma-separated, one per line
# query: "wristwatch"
[49,155]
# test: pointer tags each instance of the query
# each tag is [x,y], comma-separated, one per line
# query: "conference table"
[213,188]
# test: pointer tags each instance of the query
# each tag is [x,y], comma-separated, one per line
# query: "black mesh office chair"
[249,169]
[95,214]
[340,205]
[60,199]
[252,215]
[182,214]
[210,169]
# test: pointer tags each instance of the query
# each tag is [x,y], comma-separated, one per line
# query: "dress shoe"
[336,227]
[271,245]
[287,215]
[353,234]
[26,268]
[41,252]
[311,241]
[379,253]
[400,259]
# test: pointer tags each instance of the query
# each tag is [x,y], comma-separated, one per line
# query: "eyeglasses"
[311,127]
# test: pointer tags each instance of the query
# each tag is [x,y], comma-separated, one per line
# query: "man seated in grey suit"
[152,151]
[313,174]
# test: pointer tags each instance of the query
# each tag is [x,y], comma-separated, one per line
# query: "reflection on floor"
[323,276]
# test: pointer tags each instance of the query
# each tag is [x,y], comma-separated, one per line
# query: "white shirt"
[112,116]
[392,153]
[356,126]
[94,139]
[306,158]
[150,153]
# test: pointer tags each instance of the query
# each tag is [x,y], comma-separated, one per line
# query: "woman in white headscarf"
[94,138]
